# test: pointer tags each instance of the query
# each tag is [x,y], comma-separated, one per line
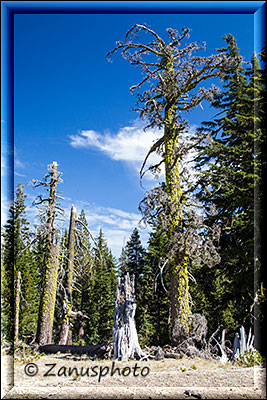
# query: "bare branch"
[153,148]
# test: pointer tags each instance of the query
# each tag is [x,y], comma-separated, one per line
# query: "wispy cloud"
[117,225]
[18,163]
[130,144]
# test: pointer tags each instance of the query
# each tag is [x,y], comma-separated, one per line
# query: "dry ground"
[165,379]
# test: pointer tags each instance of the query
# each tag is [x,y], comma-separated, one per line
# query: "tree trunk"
[17,305]
[48,297]
[66,333]
[179,288]
[125,339]
[93,350]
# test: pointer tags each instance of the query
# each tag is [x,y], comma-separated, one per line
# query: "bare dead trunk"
[48,297]
[97,350]
[66,333]
[125,339]
[17,305]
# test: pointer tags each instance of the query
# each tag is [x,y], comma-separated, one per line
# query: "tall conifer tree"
[17,258]
[231,160]
[171,82]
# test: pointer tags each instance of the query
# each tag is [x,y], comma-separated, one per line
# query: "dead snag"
[66,333]
[125,339]
[48,296]
[17,306]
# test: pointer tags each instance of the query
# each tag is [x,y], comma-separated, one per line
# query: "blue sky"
[73,107]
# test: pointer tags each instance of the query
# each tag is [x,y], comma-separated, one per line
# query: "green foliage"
[17,256]
[230,180]
[156,325]
[251,358]
[134,264]
[101,299]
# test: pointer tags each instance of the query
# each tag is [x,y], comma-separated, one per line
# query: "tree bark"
[179,286]
[93,350]
[66,333]
[17,306]
[125,339]
[48,297]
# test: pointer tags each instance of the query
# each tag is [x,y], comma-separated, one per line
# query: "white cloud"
[130,144]
[117,225]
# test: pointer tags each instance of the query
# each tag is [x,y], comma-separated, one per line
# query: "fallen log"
[172,355]
[97,350]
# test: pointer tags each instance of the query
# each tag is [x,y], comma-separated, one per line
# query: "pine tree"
[66,331]
[228,181]
[155,327]
[134,259]
[122,263]
[8,264]
[103,295]
[18,260]
[83,278]
[174,75]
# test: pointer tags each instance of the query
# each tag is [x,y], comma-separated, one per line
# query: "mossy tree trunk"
[66,333]
[179,288]
[17,306]
[48,296]
[171,80]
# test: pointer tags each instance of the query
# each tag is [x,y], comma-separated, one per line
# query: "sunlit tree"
[171,82]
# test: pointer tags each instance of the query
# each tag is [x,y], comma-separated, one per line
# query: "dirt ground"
[58,377]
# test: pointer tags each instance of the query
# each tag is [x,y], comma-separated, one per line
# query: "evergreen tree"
[83,277]
[135,262]
[156,291]
[8,262]
[134,257]
[174,76]
[122,263]
[103,295]
[61,279]
[228,181]
[17,257]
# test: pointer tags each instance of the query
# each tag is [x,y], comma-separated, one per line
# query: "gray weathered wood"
[66,332]
[125,339]
[17,307]
[51,264]
[243,345]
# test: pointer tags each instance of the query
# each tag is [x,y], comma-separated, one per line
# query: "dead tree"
[66,333]
[125,339]
[17,306]
[242,344]
[171,82]
[49,289]
[97,350]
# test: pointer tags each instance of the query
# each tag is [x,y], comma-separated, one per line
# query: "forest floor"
[54,377]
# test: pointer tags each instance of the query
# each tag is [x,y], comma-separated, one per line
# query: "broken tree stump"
[125,339]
